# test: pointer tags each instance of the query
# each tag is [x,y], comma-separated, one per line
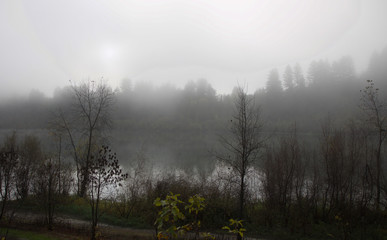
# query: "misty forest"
[188,120]
[302,158]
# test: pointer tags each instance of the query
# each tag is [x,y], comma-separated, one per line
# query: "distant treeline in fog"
[181,126]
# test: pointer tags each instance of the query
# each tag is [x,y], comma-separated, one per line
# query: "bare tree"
[375,110]
[244,143]
[29,158]
[47,189]
[84,123]
[135,188]
[283,178]
[104,171]
[8,166]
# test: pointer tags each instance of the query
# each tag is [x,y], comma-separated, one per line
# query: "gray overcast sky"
[45,43]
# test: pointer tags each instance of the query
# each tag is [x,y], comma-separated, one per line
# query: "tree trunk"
[241,201]
[378,170]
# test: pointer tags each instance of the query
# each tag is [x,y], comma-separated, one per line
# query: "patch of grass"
[75,207]
[79,208]
[83,213]
[123,222]
[319,231]
[27,235]
[76,211]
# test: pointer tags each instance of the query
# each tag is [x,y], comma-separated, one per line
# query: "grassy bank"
[30,235]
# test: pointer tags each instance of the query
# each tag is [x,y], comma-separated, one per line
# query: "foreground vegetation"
[30,235]
[77,208]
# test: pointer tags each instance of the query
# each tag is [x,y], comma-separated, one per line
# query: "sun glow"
[109,52]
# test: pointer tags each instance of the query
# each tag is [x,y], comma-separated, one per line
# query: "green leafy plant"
[195,205]
[168,216]
[208,236]
[235,226]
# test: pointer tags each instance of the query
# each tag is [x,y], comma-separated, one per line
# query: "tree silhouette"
[375,111]
[288,78]
[244,144]
[299,76]
[273,84]
[104,171]
[83,122]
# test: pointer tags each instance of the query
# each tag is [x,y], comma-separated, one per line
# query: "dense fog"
[181,127]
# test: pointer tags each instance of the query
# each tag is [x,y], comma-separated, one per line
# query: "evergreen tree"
[299,76]
[343,69]
[288,78]
[273,84]
[319,73]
